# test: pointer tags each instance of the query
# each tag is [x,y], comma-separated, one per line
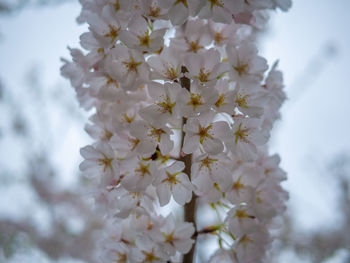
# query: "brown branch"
[190,208]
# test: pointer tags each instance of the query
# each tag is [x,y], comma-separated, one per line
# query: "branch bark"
[190,208]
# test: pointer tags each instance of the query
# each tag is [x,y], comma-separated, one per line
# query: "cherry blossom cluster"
[183,107]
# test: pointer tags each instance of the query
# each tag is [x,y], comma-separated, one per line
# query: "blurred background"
[42,215]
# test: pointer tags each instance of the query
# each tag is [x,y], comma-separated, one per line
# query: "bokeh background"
[42,218]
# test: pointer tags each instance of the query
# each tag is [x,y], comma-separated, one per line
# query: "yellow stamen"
[143,169]
[166,106]
[196,100]
[241,69]
[113,32]
[242,100]
[184,2]
[203,75]
[204,132]
[193,46]
[171,73]
[215,3]
[106,162]
[145,40]
[218,37]
[221,101]
[241,134]
[131,65]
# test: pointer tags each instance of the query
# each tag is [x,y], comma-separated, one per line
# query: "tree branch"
[190,208]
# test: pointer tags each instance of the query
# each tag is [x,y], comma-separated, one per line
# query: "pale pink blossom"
[171,181]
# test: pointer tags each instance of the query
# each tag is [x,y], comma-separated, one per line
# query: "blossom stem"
[190,208]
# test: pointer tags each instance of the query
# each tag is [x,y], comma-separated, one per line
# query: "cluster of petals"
[166,79]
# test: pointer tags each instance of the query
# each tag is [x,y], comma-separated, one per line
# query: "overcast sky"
[315,120]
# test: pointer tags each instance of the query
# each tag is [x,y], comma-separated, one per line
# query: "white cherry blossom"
[179,10]
[223,256]
[182,107]
[132,202]
[150,136]
[166,106]
[225,101]
[206,132]
[176,236]
[205,67]
[243,185]
[246,136]
[171,181]
[141,37]
[197,100]
[105,29]
[147,251]
[232,33]
[138,174]
[166,66]
[99,160]
[128,67]
[250,98]
[220,10]
[153,10]
[251,247]
[212,176]
[192,39]
[242,220]
[245,63]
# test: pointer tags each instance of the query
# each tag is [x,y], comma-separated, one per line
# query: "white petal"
[89,152]
[213,146]
[166,145]
[176,167]
[181,194]
[191,144]
[163,192]
[178,14]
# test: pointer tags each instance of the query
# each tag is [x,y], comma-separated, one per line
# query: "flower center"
[111,81]
[166,106]
[143,169]
[149,257]
[238,185]
[122,258]
[145,40]
[241,134]
[215,3]
[194,46]
[218,37]
[171,73]
[196,100]
[207,162]
[169,238]
[127,118]
[113,32]
[203,75]
[106,135]
[131,65]
[171,178]
[106,162]
[220,101]
[242,100]
[154,10]
[204,132]
[184,2]
[245,240]
[133,142]
[241,69]
[157,133]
